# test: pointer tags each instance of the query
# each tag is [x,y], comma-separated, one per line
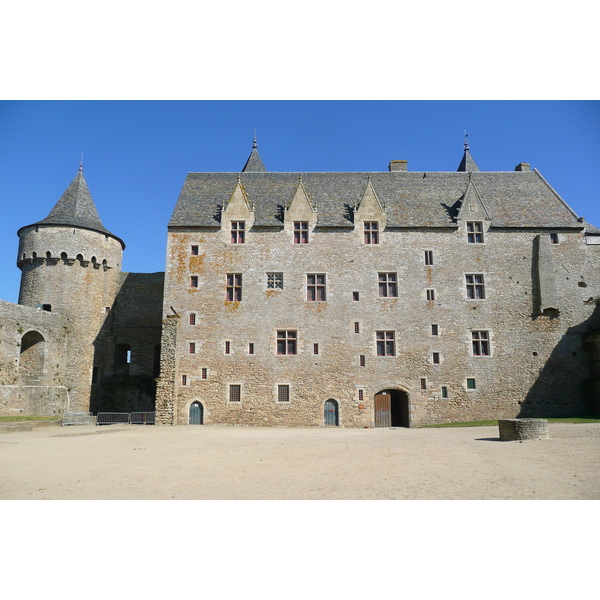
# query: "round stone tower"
[70,265]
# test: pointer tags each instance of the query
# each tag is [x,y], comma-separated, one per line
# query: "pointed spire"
[467,163]
[76,207]
[254,164]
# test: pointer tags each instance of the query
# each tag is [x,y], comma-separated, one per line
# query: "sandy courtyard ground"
[231,463]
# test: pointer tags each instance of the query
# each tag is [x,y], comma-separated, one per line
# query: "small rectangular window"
[475,286]
[386,343]
[434,329]
[444,391]
[300,232]
[227,347]
[388,287]
[315,348]
[361,395]
[554,238]
[429,257]
[184,380]
[95,372]
[315,287]
[355,296]
[357,327]
[471,383]
[192,318]
[274,281]
[192,347]
[47,307]
[361,359]
[251,348]
[194,281]
[371,230]
[475,232]
[283,393]
[204,373]
[481,343]
[435,357]
[234,287]
[423,383]
[430,294]
[194,251]
[238,232]
[235,393]
[286,342]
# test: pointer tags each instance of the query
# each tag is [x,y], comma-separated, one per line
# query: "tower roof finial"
[81,164]
[254,143]
[466,141]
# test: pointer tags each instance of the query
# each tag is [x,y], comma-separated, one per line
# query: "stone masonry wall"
[451,385]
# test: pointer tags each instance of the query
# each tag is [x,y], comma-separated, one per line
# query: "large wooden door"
[383,409]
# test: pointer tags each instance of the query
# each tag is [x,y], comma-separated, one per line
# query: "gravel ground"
[239,463]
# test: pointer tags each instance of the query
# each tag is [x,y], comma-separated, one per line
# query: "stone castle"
[390,298]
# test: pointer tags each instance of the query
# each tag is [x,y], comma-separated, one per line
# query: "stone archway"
[392,408]
[31,358]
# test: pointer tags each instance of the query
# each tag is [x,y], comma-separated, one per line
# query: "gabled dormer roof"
[75,208]
[254,164]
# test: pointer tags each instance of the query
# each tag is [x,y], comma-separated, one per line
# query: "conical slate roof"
[254,164]
[76,208]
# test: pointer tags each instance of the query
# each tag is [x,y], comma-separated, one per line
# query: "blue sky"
[136,154]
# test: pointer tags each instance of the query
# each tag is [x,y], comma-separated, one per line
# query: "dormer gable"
[238,210]
[370,209]
[472,207]
[300,209]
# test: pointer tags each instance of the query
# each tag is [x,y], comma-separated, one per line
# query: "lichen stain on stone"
[272,293]
[197,263]
[231,307]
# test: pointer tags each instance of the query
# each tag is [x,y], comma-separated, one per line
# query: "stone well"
[523,429]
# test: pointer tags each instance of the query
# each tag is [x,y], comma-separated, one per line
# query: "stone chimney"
[398,165]
[523,167]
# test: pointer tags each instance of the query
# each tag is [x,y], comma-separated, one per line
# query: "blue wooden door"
[196,413]
[331,412]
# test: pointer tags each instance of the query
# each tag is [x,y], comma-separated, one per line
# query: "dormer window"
[238,232]
[300,232]
[475,232]
[371,230]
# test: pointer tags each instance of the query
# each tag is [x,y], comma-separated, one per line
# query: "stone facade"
[314,299]
[435,297]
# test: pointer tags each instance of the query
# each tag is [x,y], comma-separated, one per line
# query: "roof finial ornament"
[254,142]
[466,141]
[81,164]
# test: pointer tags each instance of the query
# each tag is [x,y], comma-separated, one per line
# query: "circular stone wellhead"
[523,429]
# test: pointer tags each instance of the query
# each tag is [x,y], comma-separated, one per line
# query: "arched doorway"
[331,412]
[196,413]
[31,359]
[391,409]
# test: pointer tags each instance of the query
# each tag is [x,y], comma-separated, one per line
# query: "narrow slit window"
[435,357]
[192,318]
[194,281]
[251,348]
[423,383]
[361,360]
[430,294]
[435,329]
[429,257]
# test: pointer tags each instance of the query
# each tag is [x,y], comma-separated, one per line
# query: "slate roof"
[76,208]
[412,199]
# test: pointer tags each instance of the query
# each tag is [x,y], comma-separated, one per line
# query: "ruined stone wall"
[512,380]
[37,387]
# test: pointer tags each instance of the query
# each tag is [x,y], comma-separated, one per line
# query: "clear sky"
[136,154]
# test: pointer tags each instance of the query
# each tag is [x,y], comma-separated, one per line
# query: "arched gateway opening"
[196,414]
[391,409]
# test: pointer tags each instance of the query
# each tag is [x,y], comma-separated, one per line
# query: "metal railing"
[142,418]
[77,418]
[112,418]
